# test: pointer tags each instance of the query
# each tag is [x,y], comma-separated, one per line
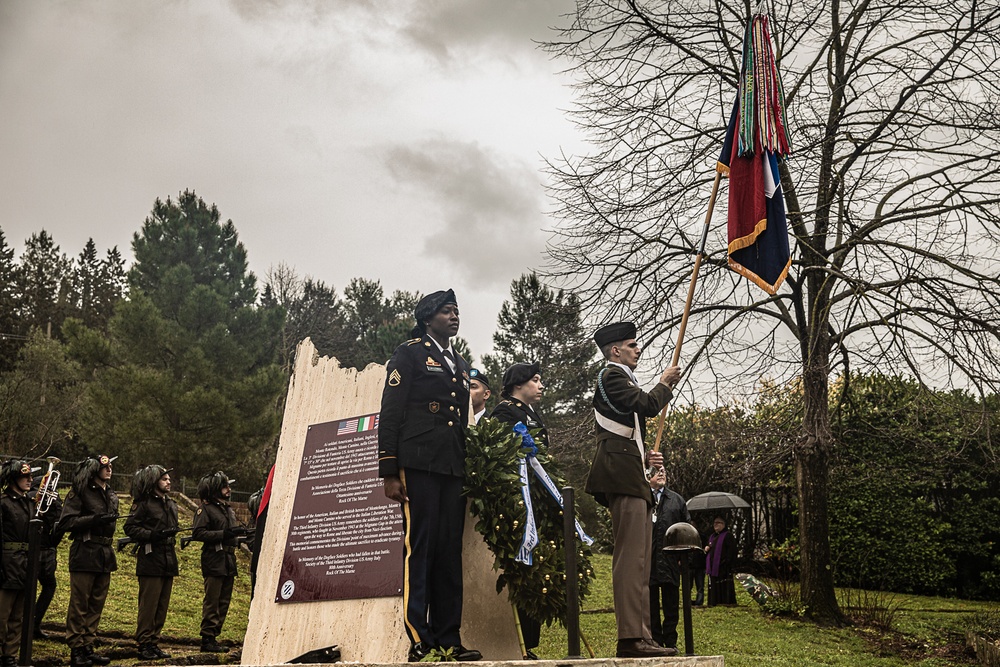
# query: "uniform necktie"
[451,359]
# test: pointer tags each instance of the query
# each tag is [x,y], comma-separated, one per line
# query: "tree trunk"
[812,460]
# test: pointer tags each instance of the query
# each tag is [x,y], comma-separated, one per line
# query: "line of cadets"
[88,516]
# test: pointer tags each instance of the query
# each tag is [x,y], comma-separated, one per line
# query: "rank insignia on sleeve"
[431,362]
[395,378]
[434,406]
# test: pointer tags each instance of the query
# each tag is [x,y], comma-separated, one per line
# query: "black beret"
[430,304]
[611,333]
[480,377]
[519,374]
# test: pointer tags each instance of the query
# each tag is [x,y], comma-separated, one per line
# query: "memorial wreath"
[527,553]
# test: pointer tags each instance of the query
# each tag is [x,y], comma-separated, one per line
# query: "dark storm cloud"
[489,206]
[441,27]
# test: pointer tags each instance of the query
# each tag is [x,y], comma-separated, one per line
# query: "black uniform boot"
[209,645]
[148,652]
[97,658]
[160,652]
[78,657]
[8,661]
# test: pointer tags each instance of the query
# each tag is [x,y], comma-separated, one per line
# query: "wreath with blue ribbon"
[504,470]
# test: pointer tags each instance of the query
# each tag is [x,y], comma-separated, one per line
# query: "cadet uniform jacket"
[154,558]
[218,553]
[424,411]
[511,410]
[91,550]
[15,513]
[618,468]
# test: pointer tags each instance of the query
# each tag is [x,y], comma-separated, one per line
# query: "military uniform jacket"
[16,511]
[511,411]
[424,411]
[153,558]
[618,468]
[218,553]
[91,550]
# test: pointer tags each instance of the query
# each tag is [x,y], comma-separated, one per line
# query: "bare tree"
[891,192]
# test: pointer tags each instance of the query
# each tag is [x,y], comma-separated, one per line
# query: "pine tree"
[10,330]
[44,281]
[187,375]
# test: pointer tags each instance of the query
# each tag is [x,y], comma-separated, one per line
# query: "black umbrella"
[716,500]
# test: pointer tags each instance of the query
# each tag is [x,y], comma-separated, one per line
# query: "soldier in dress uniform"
[16,509]
[216,527]
[522,390]
[48,542]
[618,481]
[152,525]
[421,438]
[89,516]
[480,392]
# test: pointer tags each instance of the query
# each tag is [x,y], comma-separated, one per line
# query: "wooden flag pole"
[690,297]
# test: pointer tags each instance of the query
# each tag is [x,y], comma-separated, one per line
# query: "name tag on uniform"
[435,369]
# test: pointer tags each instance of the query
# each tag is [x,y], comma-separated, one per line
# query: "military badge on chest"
[434,366]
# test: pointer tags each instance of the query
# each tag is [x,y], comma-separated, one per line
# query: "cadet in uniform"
[215,525]
[522,389]
[152,524]
[421,439]
[479,391]
[89,516]
[16,510]
[617,480]
[50,539]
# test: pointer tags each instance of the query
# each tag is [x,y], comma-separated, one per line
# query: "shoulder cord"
[604,394]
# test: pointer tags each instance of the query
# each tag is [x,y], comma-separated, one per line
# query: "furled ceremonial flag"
[756,141]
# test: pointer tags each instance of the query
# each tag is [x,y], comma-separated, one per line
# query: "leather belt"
[15,546]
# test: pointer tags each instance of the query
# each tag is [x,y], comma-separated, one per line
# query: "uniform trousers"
[433,521]
[664,632]
[11,619]
[632,529]
[531,630]
[218,595]
[154,598]
[46,583]
[87,593]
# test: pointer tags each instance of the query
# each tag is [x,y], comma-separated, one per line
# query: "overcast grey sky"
[399,140]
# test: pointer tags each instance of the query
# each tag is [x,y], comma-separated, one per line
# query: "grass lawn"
[929,632]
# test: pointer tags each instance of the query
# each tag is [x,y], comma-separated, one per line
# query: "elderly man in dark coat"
[665,574]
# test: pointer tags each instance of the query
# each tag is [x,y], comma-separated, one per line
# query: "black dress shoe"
[418,652]
[641,648]
[160,653]
[463,654]
[78,657]
[530,655]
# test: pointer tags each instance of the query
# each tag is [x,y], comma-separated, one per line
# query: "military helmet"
[13,470]
[681,536]
[211,485]
[88,468]
[145,480]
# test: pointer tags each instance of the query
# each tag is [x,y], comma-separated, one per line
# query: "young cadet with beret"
[421,439]
[618,481]
[522,390]
[479,392]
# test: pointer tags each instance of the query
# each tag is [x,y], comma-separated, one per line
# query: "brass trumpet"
[48,489]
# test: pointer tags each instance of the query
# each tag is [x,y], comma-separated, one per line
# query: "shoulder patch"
[200,510]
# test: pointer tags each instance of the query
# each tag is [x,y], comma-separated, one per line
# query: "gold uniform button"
[451,423]
[454,379]
[451,407]
[453,394]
